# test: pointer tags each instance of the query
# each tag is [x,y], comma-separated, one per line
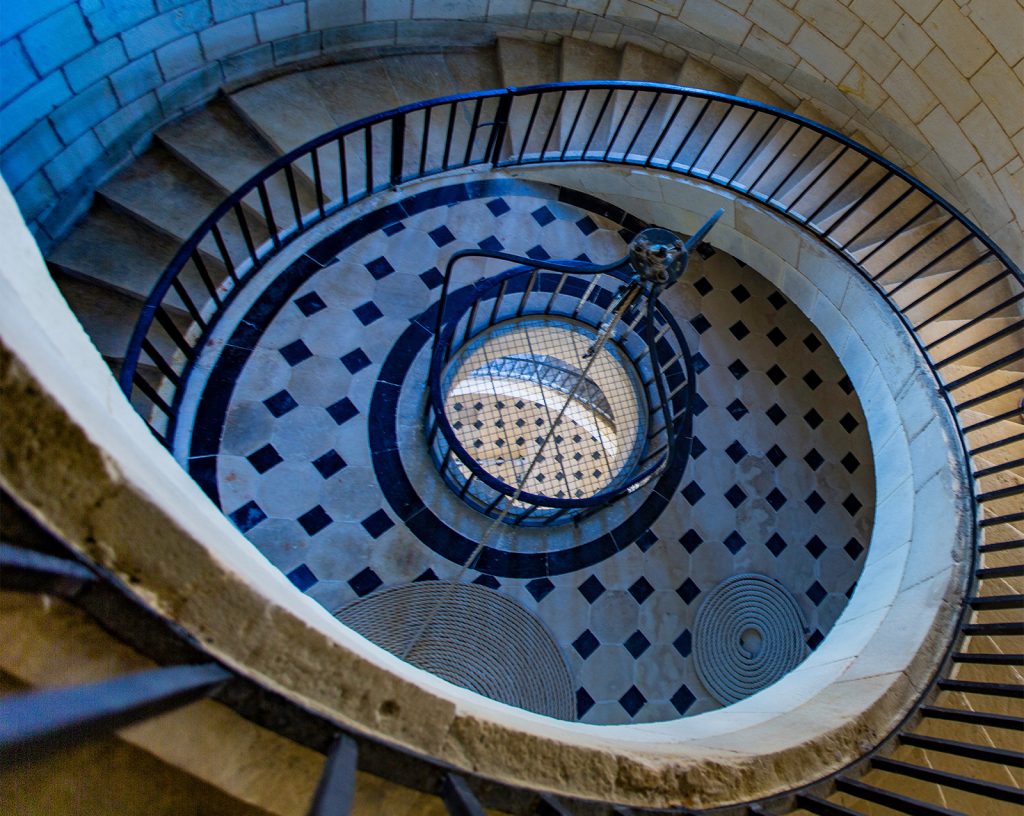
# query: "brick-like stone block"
[946,82]
[22,158]
[1002,91]
[988,137]
[15,71]
[389,10]
[167,27]
[873,54]
[832,19]
[1001,23]
[108,19]
[774,18]
[281,22]
[918,9]
[84,110]
[136,78]
[881,15]
[248,63]
[909,41]
[821,52]
[66,168]
[228,38]
[95,64]
[325,14]
[447,9]
[909,92]
[120,131]
[949,141]
[57,39]
[34,196]
[958,37]
[189,90]
[31,106]
[227,9]
[366,35]
[19,16]
[551,18]
[769,54]
[295,49]
[715,20]
[179,57]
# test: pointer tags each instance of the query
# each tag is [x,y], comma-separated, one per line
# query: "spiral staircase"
[958,751]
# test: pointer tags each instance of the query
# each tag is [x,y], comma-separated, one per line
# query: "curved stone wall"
[89,468]
[932,84]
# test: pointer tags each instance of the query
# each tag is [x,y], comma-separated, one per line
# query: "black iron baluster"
[930,265]
[268,213]
[368,153]
[709,140]
[222,248]
[732,142]
[618,127]
[243,224]
[689,132]
[204,274]
[293,193]
[335,792]
[397,150]
[529,126]
[818,176]
[474,125]
[665,129]
[458,798]
[792,171]
[643,123]
[151,394]
[343,167]
[425,140]
[768,131]
[837,191]
[190,305]
[556,116]
[500,129]
[318,184]
[160,362]
[168,325]
[917,245]
[597,122]
[449,136]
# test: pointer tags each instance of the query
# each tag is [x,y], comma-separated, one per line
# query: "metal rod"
[335,792]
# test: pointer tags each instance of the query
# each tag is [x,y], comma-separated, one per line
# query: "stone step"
[695,73]
[905,293]
[172,198]
[989,383]
[217,143]
[1011,340]
[520,63]
[587,118]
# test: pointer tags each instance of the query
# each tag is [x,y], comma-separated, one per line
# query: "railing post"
[500,127]
[397,149]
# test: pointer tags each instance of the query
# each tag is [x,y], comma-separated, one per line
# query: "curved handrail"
[521,125]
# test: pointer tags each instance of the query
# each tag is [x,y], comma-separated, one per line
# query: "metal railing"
[956,293]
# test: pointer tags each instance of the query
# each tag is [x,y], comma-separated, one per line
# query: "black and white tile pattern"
[780,481]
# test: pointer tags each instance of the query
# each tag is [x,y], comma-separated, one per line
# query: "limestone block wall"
[935,85]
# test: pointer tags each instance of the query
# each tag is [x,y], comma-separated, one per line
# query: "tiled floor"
[780,481]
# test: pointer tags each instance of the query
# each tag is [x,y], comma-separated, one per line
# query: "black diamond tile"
[850,462]
[636,644]
[812,380]
[641,589]
[813,419]
[693,493]
[705,250]
[812,342]
[247,516]
[586,225]
[584,702]
[329,464]
[776,498]
[776,544]
[364,582]
[682,699]
[491,244]
[313,521]
[776,374]
[846,385]
[498,207]
[697,448]
[583,256]
[849,423]
[734,542]
[355,361]
[703,286]
[441,236]
[378,523]
[393,229]
[739,330]
[700,324]
[776,455]
[737,369]
[538,253]
[740,293]
[700,363]
[539,588]
[814,459]
[777,336]
[586,644]
[736,451]
[343,410]
[426,575]
[591,589]
[688,590]
[265,458]
[737,409]
[632,701]
[645,541]
[735,495]
[379,268]
[853,549]
[280,403]
[295,353]
[815,547]
[852,505]
[684,643]
[310,304]
[543,216]
[777,300]
[698,405]
[691,540]
[816,592]
[368,312]
[849,590]
[814,639]
[432,278]
[303,577]
[815,501]
[488,581]
[775,414]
